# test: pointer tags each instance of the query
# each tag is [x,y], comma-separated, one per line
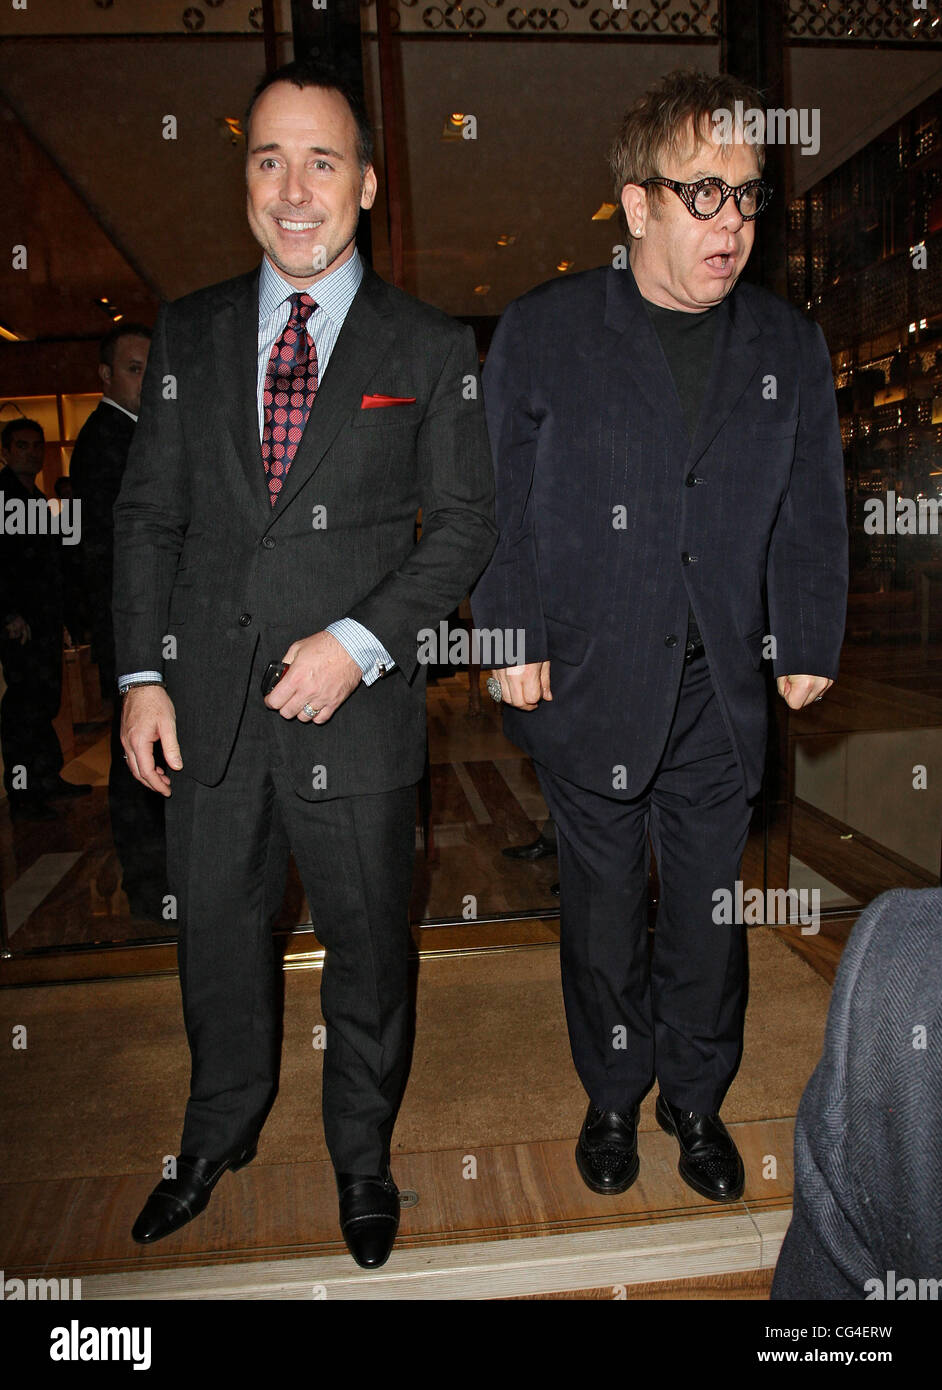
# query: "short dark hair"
[13,427]
[120,330]
[311,72]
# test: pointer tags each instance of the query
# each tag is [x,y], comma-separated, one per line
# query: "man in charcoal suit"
[293,422]
[670,500]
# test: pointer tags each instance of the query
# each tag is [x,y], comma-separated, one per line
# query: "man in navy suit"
[670,499]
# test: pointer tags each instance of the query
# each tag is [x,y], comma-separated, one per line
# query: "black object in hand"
[273,675]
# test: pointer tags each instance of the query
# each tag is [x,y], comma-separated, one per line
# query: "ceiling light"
[230,128]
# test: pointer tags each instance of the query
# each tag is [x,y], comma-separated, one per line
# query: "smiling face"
[304,182]
[679,261]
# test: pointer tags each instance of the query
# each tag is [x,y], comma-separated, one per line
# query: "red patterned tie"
[290,388]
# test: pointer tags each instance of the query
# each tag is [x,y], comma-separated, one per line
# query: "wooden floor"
[518,1193]
[504,1220]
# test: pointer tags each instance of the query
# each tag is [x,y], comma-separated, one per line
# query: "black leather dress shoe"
[538,849]
[607,1151]
[175,1201]
[709,1160]
[369,1216]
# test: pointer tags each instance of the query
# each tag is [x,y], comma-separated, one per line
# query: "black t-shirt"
[687,341]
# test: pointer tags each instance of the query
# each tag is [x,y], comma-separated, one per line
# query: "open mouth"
[721,263]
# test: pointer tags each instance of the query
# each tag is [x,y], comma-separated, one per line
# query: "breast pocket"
[776,434]
[388,416]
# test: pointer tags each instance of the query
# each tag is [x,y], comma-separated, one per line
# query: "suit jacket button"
[670,640]
[244,619]
[268,542]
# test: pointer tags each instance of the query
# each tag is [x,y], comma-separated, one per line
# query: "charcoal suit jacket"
[205,567]
[613,520]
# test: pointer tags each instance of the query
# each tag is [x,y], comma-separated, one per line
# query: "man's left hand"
[798,691]
[321,673]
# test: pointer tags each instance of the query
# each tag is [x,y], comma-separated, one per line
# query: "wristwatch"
[132,685]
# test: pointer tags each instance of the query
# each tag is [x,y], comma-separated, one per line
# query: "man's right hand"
[147,716]
[524,686]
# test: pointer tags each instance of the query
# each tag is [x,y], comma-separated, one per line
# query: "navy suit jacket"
[612,520]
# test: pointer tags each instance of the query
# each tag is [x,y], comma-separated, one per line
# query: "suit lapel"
[637,346]
[235,342]
[364,340]
[735,363]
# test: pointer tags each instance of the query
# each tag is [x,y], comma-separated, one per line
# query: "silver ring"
[817,698]
[492,685]
[310,712]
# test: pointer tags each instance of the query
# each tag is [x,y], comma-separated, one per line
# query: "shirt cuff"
[141,677]
[367,651]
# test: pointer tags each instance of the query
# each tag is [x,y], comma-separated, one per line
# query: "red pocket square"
[371,402]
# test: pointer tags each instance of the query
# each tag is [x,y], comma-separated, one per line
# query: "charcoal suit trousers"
[227,858]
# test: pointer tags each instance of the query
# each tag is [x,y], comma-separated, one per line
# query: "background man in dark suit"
[32,604]
[98,462]
[670,499]
[248,533]
[96,469]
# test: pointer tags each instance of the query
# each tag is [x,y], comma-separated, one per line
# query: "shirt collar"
[334,294]
[106,400]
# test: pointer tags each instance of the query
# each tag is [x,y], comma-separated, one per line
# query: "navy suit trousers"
[678,1015]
